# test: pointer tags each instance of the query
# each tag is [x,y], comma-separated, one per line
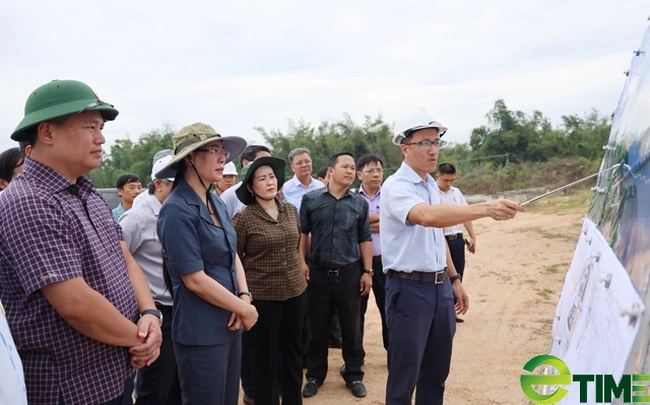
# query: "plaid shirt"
[269,251]
[337,227]
[53,230]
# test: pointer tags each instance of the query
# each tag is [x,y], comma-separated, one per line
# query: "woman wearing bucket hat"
[211,299]
[268,234]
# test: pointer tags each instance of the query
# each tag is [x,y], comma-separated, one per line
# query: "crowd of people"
[199,284]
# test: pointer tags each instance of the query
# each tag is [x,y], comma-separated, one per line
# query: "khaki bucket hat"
[194,136]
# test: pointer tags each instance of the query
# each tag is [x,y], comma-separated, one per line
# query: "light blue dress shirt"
[118,211]
[293,190]
[406,246]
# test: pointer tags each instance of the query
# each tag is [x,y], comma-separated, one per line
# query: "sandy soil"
[513,281]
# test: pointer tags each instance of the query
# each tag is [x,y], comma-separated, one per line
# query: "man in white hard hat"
[229,178]
[421,279]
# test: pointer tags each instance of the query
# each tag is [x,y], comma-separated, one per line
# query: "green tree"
[128,157]
[586,136]
[532,138]
[330,137]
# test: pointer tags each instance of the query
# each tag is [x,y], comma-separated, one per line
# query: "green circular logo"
[527,381]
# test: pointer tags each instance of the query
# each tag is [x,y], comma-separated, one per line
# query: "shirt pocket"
[348,221]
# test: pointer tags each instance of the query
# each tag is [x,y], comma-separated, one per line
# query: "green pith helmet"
[59,98]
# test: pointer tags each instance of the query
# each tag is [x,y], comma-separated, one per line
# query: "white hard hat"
[413,121]
[229,169]
[158,166]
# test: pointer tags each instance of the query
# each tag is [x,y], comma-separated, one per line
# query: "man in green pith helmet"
[77,303]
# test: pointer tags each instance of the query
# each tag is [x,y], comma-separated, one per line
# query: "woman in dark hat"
[268,234]
[211,299]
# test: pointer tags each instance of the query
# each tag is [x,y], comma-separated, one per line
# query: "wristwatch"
[369,271]
[454,278]
[246,293]
[153,312]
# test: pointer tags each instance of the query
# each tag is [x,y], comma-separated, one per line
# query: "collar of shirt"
[451,190]
[363,192]
[187,193]
[261,212]
[410,174]
[52,181]
[326,190]
[313,183]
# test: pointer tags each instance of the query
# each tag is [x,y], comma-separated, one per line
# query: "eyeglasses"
[215,152]
[302,162]
[426,145]
[373,171]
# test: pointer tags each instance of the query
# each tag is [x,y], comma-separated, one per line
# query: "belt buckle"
[333,273]
[441,279]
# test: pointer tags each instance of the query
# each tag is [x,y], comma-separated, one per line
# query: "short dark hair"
[9,160]
[322,172]
[250,152]
[23,146]
[366,159]
[126,178]
[446,168]
[335,158]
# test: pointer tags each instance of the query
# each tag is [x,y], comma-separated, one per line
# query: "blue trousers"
[421,326]
[209,375]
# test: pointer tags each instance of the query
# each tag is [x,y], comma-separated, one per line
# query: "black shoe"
[335,343]
[459,320]
[342,370]
[357,388]
[311,388]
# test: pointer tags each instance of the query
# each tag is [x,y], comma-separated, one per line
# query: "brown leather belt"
[454,236]
[376,259]
[436,278]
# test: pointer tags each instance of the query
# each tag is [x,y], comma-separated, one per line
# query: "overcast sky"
[239,65]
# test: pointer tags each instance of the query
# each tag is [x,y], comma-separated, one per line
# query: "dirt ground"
[513,282]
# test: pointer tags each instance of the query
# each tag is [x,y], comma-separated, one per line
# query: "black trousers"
[278,330]
[457,251]
[158,384]
[379,291]
[246,373]
[324,293]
